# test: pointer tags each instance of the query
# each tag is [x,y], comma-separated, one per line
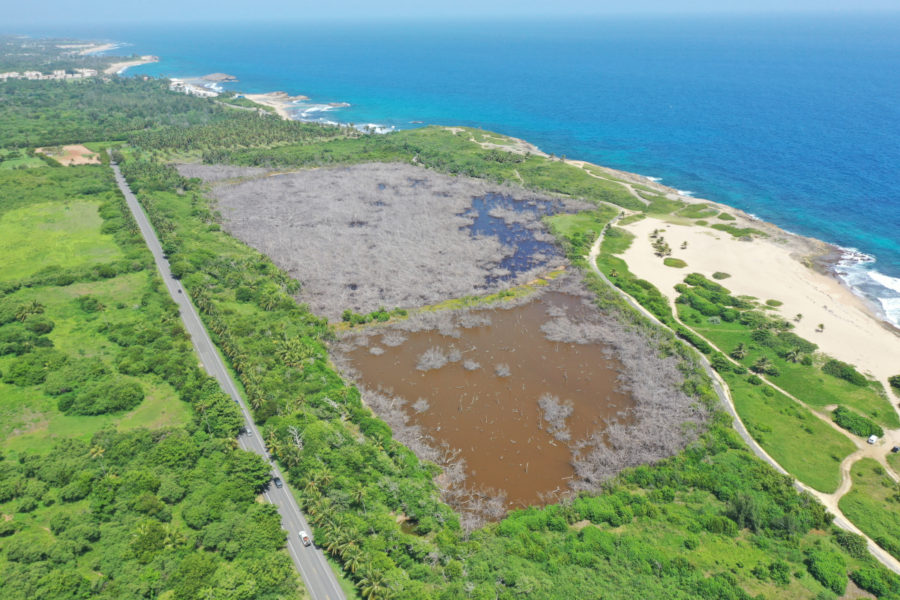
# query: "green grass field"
[801,443]
[18,159]
[873,504]
[43,235]
[29,418]
[808,383]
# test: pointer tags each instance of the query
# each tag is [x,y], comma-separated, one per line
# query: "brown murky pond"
[495,419]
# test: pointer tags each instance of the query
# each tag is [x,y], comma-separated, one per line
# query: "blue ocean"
[793,119]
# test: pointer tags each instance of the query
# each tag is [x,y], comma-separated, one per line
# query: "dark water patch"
[516,224]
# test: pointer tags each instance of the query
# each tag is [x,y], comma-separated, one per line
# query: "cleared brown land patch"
[67,156]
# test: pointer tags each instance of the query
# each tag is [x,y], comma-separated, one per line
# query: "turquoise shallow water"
[794,120]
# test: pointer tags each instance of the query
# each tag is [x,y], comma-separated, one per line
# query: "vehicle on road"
[278,483]
[304,537]
[872,439]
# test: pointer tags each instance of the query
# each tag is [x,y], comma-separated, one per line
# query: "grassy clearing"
[32,423]
[30,418]
[51,234]
[873,504]
[893,460]
[19,159]
[724,216]
[800,442]
[806,382]
[697,211]
[738,232]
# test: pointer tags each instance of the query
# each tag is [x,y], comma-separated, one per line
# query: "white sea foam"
[855,269]
[654,179]
[685,192]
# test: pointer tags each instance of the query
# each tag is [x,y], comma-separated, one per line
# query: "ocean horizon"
[795,120]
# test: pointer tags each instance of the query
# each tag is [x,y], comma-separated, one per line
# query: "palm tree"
[96,453]
[31,308]
[798,317]
[352,559]
[762,364]
[793,355]
[371,585]
[359,496]
[740,352]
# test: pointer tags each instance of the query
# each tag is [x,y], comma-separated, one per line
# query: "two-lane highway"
[310,562]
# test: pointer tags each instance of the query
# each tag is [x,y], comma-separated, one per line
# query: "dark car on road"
[278,483]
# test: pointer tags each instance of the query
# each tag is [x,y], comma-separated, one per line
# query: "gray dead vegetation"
[555,414]
[433,358]
[374,235]
[216,173]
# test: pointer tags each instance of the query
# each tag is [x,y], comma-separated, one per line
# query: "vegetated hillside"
[119,477]
[712,522]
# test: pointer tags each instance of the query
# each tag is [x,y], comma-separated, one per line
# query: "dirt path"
[877,451]
[582,165]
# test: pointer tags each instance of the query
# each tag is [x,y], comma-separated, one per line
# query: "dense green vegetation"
[92,502]
[170,513]
[241,130]
[855,423]
[47,113]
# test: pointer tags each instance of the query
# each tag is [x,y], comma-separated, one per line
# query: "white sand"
[771,268]
[280,101]
[119,67]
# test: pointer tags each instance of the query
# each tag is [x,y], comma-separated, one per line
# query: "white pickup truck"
[304,537]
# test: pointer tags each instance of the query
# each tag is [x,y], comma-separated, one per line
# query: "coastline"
[802,273]
[118,68]
[279,101]
[824,258]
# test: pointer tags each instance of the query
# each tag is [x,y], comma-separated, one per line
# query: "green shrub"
[33,368]
[726,217]
[100,397]
[754,380]
[880,582]
[829,569]
[674,262]
[894,380]
[720,275]
[88,304]
[855,423]
[854,544]
[774,303]
[845,371]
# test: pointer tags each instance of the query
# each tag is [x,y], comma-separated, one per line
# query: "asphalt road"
[320,580]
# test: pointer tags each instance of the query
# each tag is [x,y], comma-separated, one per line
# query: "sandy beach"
[280,101]
[95,48]
[119,67]
[778,267]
